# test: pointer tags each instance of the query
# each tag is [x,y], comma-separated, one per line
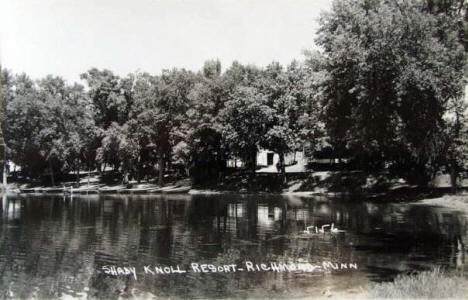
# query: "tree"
[66,138]
[454,140]
[160,106]
[294,115]
[201,149]
[23,123]
[6,96]
[279,136]
[111,96]
[79,132]
[454,9]
[391,72]
[50,126]
[108,152]
[245,121]
[7,83]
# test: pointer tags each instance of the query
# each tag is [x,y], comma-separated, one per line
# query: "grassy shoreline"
[434,284]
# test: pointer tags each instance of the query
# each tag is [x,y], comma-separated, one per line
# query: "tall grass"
[433,284]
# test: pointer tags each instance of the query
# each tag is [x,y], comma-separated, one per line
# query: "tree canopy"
[384,89]
[392,72]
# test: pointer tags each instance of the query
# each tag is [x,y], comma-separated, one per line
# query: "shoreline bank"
[350,185]
[457,202]
[401,193]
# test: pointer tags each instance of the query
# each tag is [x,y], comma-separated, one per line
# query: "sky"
[68,37]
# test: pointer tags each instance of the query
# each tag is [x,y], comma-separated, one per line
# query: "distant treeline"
[385,90]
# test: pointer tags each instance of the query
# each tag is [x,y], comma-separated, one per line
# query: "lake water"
[55,246]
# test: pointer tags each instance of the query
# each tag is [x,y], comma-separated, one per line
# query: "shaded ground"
[352,184]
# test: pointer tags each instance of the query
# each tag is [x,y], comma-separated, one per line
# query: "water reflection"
[54,245]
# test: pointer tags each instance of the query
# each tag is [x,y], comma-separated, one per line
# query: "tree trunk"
[77,175]
[125,178]
[5,174]
[138,171]
[161,169]
[89,172]
[254,161]
[51,174]
[283,166]
[453,178]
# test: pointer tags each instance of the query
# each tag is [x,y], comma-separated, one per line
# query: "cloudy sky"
[67,37]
